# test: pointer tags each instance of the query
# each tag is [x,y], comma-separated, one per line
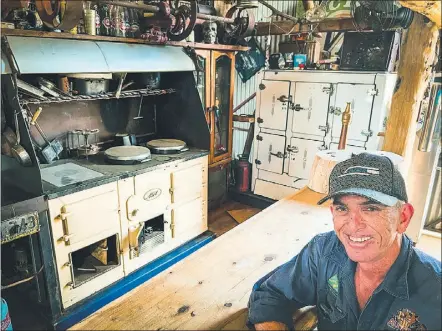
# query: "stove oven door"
[83,225]
[144,219]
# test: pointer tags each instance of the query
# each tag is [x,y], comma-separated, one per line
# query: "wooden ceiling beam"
[431,9]
[288,27]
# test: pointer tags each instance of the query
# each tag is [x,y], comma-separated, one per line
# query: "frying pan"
[17,151]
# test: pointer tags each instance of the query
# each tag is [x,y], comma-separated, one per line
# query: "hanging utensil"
[120,85]
[54,148]
[15,149]
[138,117]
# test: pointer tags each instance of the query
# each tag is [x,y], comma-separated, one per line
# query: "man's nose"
[356,220]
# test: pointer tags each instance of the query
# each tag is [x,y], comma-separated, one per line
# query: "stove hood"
[6,69]
[65,56]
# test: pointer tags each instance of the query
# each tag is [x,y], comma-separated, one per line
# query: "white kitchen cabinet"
[300,112]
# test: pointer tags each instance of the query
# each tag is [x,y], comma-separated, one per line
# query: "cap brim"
[382,198]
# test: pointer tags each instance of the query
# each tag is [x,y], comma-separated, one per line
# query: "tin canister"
[90,22]
[299,59]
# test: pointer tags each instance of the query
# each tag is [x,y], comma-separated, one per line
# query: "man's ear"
[405,214]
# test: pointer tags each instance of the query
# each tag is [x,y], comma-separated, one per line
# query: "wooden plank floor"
[212,286]
[220,221]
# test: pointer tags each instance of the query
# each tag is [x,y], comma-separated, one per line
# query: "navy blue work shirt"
[409,298]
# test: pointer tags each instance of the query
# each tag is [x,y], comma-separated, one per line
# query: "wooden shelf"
[64,35]
[244,118]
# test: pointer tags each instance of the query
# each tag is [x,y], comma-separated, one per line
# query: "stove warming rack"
[102,96]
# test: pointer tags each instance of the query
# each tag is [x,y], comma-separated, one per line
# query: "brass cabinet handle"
[64,218]
[66,238]
[171,190]
[172,223]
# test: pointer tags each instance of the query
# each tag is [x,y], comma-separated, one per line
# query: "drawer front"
[188,183]
[84,215]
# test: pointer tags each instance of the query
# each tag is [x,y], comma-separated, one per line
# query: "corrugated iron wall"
[244,90]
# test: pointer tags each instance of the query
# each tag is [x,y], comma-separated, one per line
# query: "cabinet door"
[188,183]
[270,152]
[302,154]
[202,81]
[312,100]
[188,220]
[361,98]
[273,104]
[222,79]
[84,215]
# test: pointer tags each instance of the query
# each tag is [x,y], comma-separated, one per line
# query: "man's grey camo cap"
[369,175]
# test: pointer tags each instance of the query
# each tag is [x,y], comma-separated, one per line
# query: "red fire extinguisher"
[243,173]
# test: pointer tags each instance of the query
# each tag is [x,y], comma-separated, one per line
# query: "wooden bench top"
[210,288]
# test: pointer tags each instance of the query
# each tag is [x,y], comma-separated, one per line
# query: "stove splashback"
[181,115]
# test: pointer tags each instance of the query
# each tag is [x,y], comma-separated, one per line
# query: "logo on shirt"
[334,283]
[406,320]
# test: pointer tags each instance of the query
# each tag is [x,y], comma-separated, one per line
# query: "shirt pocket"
[330,315]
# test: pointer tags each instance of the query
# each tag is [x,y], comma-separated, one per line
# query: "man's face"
[366,228]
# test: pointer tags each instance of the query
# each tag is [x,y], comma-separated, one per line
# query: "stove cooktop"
[67,173]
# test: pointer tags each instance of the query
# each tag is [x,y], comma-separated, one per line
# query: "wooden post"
[418,54]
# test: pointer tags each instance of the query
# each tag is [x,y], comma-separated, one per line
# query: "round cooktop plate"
[128,153]
[166,144]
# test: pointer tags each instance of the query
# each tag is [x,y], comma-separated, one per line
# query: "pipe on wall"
[432,116]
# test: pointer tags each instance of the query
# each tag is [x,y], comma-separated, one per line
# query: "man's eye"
[341,208]
[371,208]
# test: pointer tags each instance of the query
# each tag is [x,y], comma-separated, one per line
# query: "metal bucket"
[6,320]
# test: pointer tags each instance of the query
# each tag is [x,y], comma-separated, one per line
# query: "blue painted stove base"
[90,305]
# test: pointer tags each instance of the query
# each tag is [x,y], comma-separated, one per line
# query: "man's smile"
[358,241]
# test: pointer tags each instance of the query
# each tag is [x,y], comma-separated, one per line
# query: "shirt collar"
[395,282]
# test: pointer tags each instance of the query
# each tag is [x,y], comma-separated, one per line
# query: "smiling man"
[366,274]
